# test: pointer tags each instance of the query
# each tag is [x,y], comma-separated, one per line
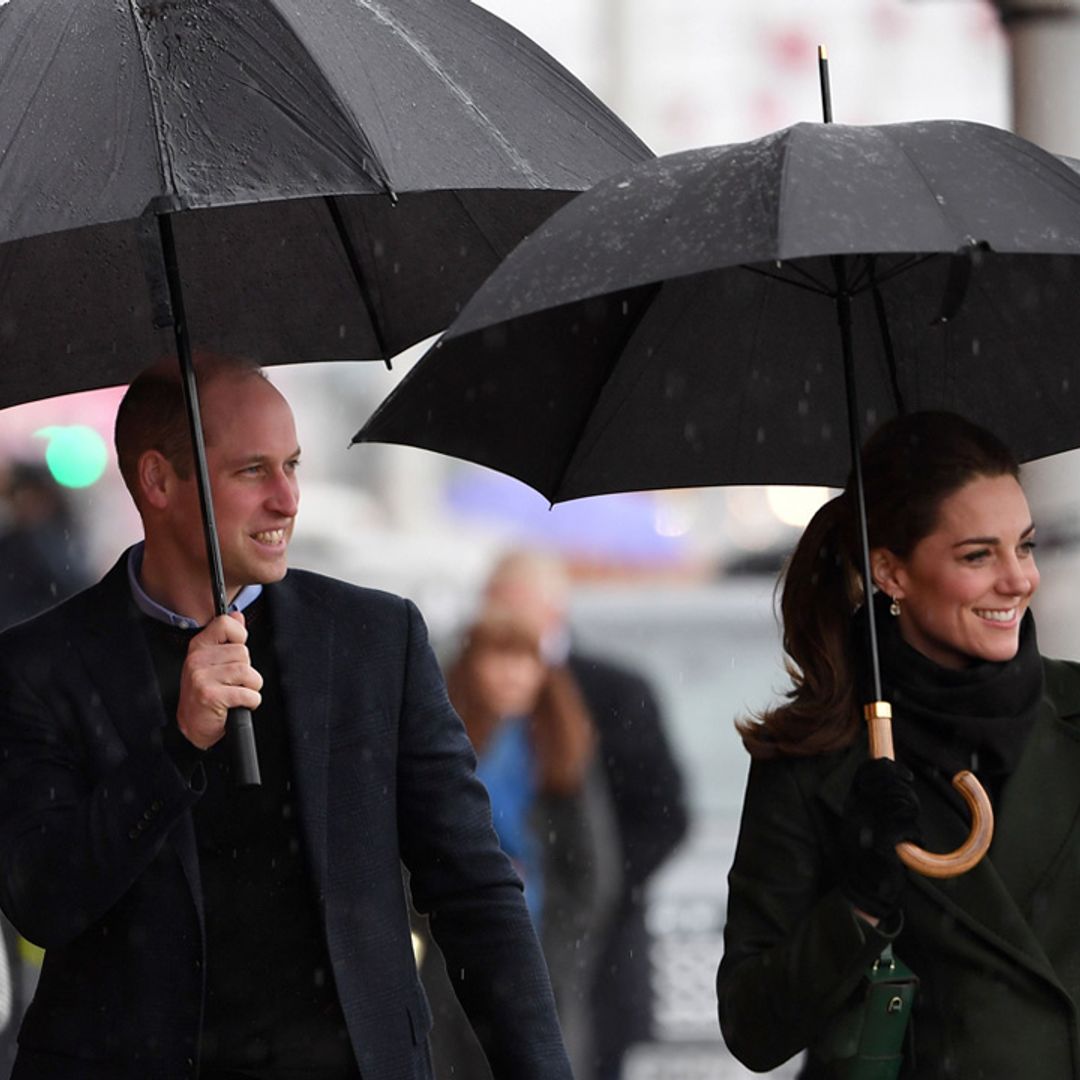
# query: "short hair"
[540,575]
[153,415]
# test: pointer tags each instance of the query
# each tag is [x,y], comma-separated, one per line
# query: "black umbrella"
[330,179]
[677,325]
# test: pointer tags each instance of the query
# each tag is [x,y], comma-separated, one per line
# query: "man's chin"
[261,572]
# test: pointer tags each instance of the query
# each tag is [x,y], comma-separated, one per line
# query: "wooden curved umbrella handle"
[879,720]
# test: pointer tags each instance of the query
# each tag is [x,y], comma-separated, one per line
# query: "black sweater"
[271,1007]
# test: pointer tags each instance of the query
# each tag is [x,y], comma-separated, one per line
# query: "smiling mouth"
[270,536]
[997,615]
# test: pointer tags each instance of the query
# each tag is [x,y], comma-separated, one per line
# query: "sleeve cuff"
[185,755]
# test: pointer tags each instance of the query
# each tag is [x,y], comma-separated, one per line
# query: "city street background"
[678,583]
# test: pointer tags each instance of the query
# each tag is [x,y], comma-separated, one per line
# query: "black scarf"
[977,718]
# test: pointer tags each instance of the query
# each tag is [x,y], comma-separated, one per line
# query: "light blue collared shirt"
[247,595]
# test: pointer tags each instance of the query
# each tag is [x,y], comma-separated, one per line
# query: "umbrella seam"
[430,61]
[41,82]
[374,166]
[168,173]
[781,201]
[942,210]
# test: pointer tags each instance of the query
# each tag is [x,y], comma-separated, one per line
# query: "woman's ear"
[887,569]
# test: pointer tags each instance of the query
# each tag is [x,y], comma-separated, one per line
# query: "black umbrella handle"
[240,731]
[239,728]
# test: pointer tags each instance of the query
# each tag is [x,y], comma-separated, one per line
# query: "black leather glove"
[881,809]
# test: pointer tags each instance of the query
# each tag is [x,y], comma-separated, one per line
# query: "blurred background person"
[42,556]
[536,749]
[42,561]
[642,777]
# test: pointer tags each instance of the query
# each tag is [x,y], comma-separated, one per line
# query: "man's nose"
[284,497]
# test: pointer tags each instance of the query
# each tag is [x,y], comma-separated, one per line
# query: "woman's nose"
[1017,579]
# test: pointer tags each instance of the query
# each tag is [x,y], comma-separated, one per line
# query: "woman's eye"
[976,556]
[1028,547]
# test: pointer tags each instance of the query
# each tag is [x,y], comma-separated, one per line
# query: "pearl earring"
[894,607]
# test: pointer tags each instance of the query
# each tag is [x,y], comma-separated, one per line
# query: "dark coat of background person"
[384,773]
[996,949]
[42,561]
[564,835]
[646,789]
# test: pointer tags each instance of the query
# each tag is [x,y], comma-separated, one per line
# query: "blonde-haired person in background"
[643,779]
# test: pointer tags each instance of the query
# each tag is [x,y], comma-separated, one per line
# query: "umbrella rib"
[812,284]
[351,254]
[472,217]
[887,345]
[901,268]
[650,293]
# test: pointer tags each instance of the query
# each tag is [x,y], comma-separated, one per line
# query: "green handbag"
[866,1041]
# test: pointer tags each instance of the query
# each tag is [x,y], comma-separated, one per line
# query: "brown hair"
[153,416]
[560,728]
[911,465]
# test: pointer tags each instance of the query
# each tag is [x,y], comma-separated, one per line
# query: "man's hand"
[217,677]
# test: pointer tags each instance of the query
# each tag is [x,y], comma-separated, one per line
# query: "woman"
[816,889]
[536,751]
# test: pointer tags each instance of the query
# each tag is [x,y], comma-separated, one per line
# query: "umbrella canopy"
[717,316]
[677,325]
[289,181]
[415,143]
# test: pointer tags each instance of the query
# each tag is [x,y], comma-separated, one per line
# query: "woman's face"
[964,588]
[508,680]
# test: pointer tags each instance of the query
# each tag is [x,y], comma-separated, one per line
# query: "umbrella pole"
[239,728]
[843,313]
[878,713]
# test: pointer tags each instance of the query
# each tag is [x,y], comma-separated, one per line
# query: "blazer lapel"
[126,686]
[303,644]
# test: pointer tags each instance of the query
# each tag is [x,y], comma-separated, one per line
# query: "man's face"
[252,457]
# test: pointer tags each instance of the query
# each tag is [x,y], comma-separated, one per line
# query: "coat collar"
[991,898]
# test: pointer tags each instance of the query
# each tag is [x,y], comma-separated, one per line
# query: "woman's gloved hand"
[881,809]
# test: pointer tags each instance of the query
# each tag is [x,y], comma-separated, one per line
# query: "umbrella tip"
[823,52]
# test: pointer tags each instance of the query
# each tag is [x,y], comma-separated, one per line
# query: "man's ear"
[888,571]
[156,479]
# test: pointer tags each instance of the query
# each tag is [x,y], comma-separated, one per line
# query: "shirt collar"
[247,595]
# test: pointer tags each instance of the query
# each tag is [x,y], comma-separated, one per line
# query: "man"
[646,791]
[195,928]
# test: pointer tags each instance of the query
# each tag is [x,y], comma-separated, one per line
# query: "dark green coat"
[997,950]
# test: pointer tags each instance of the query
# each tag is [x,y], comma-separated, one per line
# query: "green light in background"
[76,455]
